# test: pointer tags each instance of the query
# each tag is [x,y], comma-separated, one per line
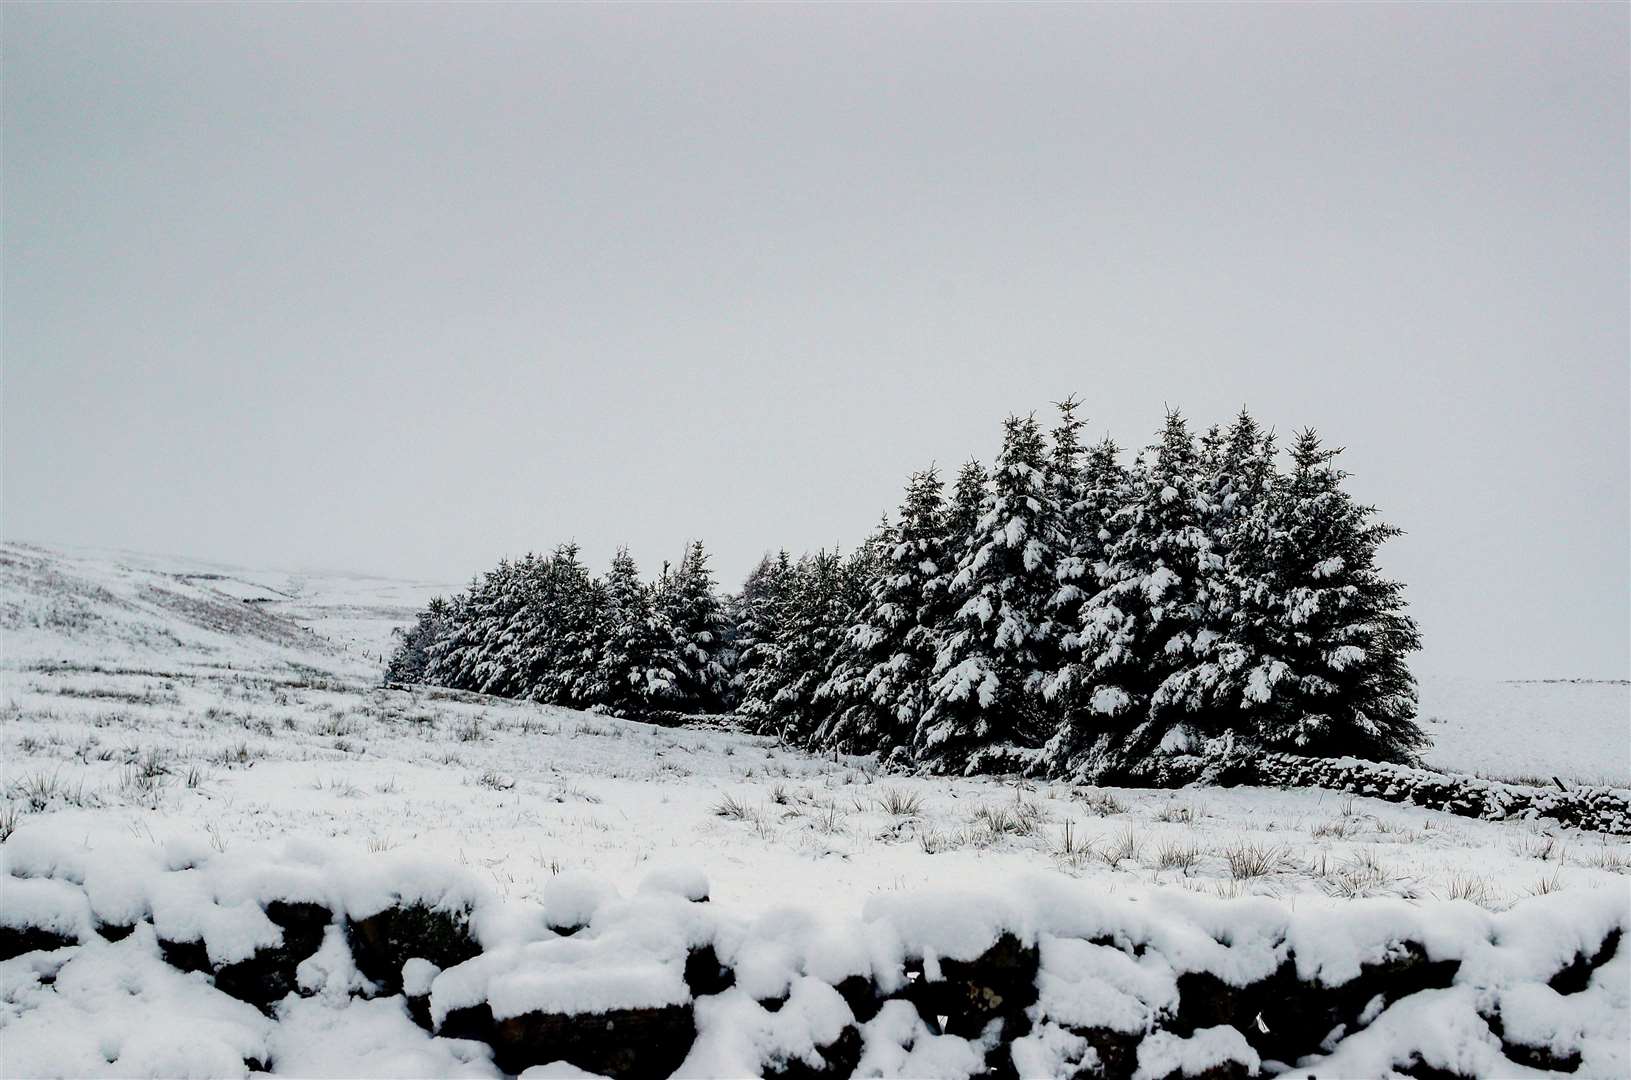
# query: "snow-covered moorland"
[155,703]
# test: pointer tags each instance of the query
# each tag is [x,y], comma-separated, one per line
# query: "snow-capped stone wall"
[1594,809]
[171,960]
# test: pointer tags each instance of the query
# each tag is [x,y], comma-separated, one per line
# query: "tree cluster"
[541,627]
[1065,611]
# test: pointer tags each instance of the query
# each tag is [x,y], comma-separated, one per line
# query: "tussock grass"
[494,780]
[729,806]
[1176,854]
[1126,847]
[1364,874]
[38,789]
[1021,819]
[828,819]
[237,754]
[898,802]
[1180,813]
[1615,861]
[1336,828]
[11,816]
[1248,859]
[1072,847]
[570,792]
[1101,802]
[339,786]
[1472,888]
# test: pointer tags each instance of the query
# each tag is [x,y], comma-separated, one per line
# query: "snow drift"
[179,960]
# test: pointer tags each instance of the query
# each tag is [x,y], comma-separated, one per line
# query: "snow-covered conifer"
[816,617]
[697,623]
[764,608]
[879,687]
[1240,481]
[410,659]
[990,651]
[1139,629]
[635,647]
[1325,631]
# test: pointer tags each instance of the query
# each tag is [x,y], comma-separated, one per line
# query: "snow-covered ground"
[1575,731]
[156,698]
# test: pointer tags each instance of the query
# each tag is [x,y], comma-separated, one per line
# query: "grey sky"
[405,288]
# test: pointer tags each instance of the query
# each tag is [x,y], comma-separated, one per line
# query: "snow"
[1104,962]
[359,1038]
[1577,731]
[683,880]
[899,1044]
[118,1010]
[1109,700]
[1164,1053]
[278,769]
[563,975]
[1086,985]
[331,972]
[48,905]
[735,1033]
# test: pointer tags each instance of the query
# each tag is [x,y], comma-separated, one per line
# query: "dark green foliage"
[412,656]
[698,627]
[1323,632]
[636,669]
[1135,638]
[1062,613]
[878,690]
[764,610]
[994,649]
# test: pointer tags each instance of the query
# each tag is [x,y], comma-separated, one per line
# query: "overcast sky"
[406,288]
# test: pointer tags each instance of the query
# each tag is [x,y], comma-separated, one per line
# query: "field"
[147,699]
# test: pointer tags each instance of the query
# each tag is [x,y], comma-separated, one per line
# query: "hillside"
[172,695]
[157,710]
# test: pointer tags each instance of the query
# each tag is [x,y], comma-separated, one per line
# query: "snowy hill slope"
[165,713]
[1579,732]
[166,607]
[166,698]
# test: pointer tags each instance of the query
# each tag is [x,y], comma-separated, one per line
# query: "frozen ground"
[146,699]
[1576,731]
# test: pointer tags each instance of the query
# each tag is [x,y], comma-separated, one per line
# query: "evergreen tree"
[1067,478]
[816,617]
[697,624]
[1325,633]
[1240,478]
[1073,568]
[635,647]
[1139,629]
[445,657]
[559,655]
[495,614]
[879,687]
[967,504]
[1123,612]
[992,651]
[765,607]
[1095,519]
[411,658]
